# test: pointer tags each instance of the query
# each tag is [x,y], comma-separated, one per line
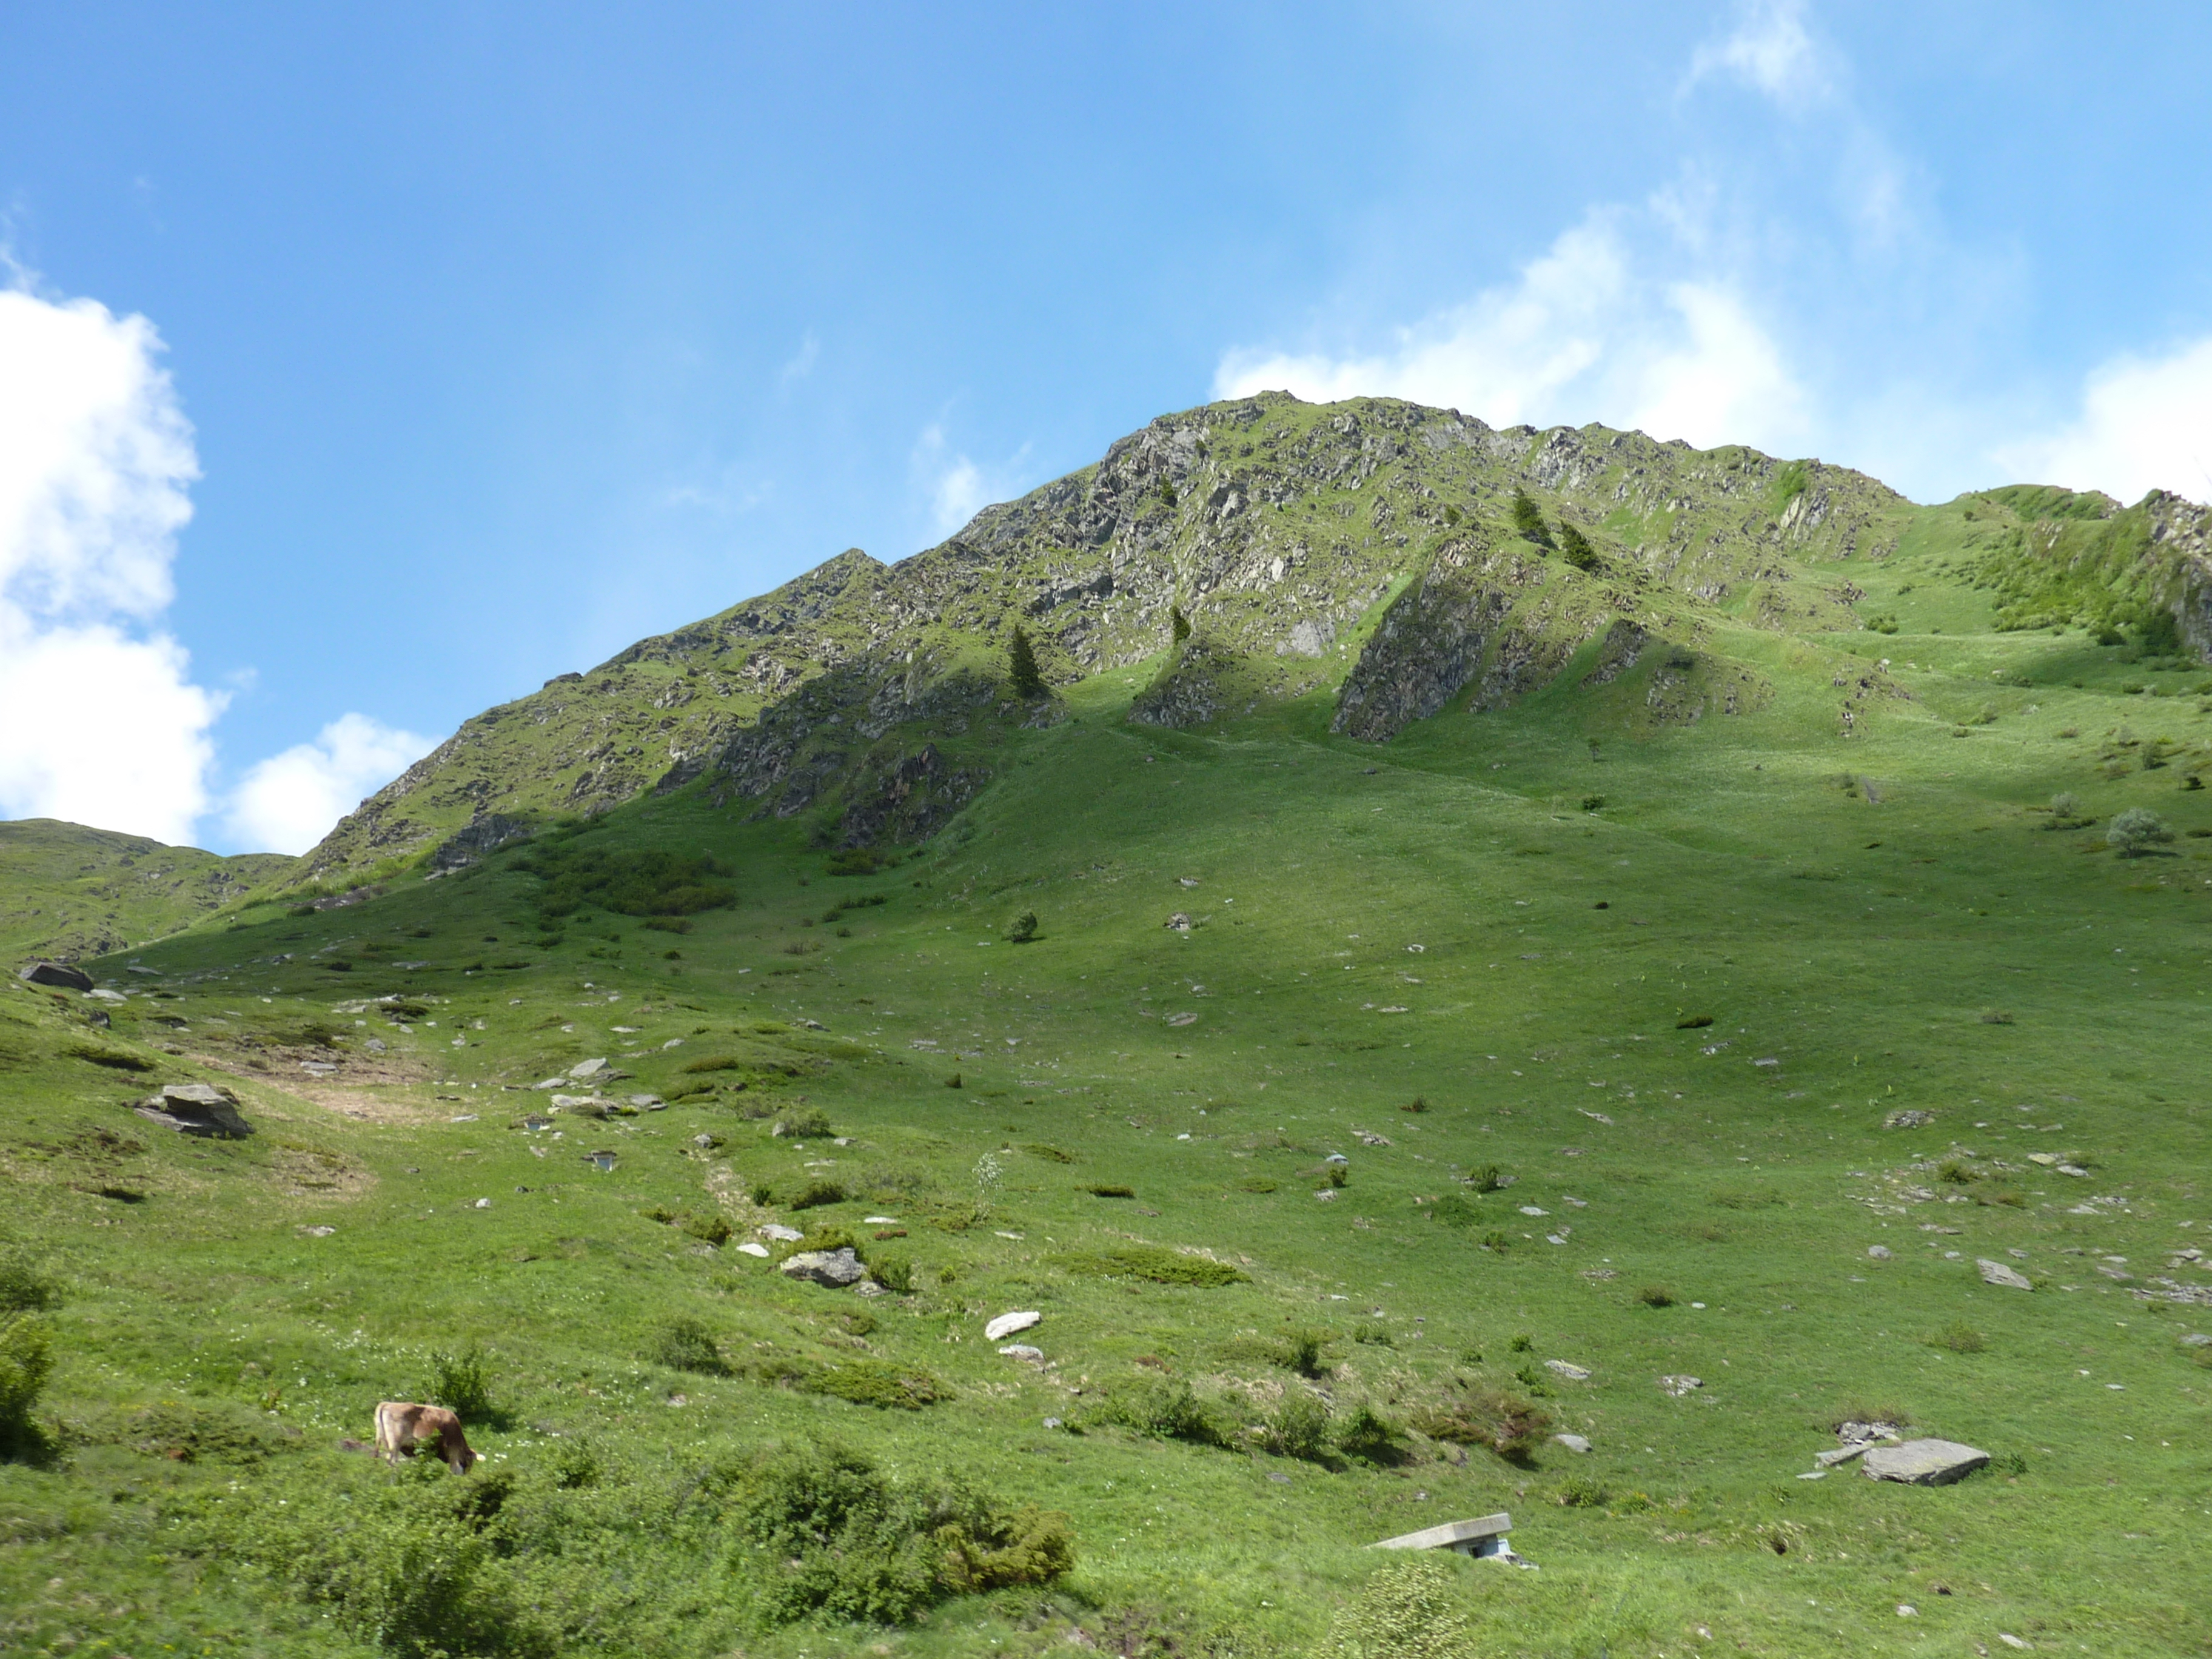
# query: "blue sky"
[364,366]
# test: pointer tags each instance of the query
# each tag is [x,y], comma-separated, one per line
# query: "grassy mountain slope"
[1277,527]
[1653,934]
[69,891]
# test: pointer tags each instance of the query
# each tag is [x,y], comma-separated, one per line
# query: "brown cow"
[401,1427]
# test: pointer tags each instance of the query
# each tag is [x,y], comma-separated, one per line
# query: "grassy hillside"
[69,891]
[1607,1009]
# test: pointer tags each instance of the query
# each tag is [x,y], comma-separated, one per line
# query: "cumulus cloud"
[104,726]
[957,487]
[1592,329]
[2144,423]
[288,802]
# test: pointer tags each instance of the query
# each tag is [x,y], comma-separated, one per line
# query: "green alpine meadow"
[1339,971]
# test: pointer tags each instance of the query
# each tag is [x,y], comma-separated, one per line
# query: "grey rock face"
[833,1268]
[1924,1462]
[1996,1272]
[58,974]
[196,1108]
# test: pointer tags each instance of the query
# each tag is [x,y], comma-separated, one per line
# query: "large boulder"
[1924,1462]
[59,974]
[2010,1279]
[833,1268]
[196,1108]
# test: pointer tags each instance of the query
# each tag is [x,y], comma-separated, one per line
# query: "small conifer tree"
[1575,545]
[1022,670]
[1179,623]
[1529,518]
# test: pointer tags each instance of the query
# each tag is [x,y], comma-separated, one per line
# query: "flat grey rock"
[1573,1442]
[58,974]
[1996,1273]
[1023,1351]
[781,1235]
[196,1108]
[588,1068]
[1572,1372]
[1680,1386]
[1878,1252]
[1007,1323]
[833,1268]
[1924,1462]
[749,1247]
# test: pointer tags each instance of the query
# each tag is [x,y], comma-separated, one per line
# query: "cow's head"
[460,1456]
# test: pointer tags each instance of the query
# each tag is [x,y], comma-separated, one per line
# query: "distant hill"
[69,891]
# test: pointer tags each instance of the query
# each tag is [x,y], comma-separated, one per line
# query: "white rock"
[483,1203]
[1814,1474]
[588,1068]
[1879,1252]
[1996,1273]
[1573,1442]
[833,1268]
[879,1221]
[1006,1324]
[1679,1386]
[1572,1372]
[1023,1351]
[549,1083]
[1530,1209]
[752,1248]
[780,1234]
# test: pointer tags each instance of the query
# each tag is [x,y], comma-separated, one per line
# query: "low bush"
[1457,1210]
[1373,1335]
[835,1537]
[682,1344]
[461,1382]
[1655,1295]
[1366,1434]
[1304,1351]
[1960,1337]
[815,1193]
[26,1358]
[1051,1154]
[1023,929]
[876,1383]
[1299,1427]
[1405,1611]
[25,1286]
[803,1123]
[1152,1263]
[1111,1192]
[1578,1493]
[1165,1409]
[707,1229]
[1511,1425]
[894,1274]
[712,1063]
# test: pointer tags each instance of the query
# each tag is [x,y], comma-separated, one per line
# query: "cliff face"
[1366,548]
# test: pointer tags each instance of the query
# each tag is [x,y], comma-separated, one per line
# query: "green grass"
[1250,1381]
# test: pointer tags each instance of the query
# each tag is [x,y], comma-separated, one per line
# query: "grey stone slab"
[1924,1462]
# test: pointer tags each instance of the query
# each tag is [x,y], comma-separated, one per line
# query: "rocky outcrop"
[57,975]
[482,835]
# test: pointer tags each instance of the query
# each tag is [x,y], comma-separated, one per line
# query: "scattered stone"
[1368,1138]
[1908,1117]
[1680,1386]
[483,1203]
[1052,1422]
[1573,1442]
[1924,1462]
[1814,1474]
[1023,1351]
[869,1287]
[780,1234]
[317,1067]
[196,1108]
[1531,1209]
[318,1233]
[58,974]
[1879,1252]
[833,1268]
[879,1221]
[1336,1158]
[1279,1480]
[374,1045]
[1998,1272]
[2197,1339]
[647,1102]
[549,1083]
[1572,1372]
[1326,1195]
[1006,1324]
[751,1248]
[2011,1641]
[1182,1019]
[585,1069]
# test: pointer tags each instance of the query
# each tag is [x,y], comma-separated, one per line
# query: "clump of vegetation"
[713,1063]
[1579,1492]
[1154,1265]
[1960,1337]
[1366,1434]
[1404,1611]
[630,881]
[26,1359]
[1050,1154]
[876,1383]
[1577,548]
[1487,1178]
[1023,929]
[802,1122]
[1372,1334]
[1111,1192]
[682,1344]
[1304,1351]
[1299,1427]
[860,861]
[1163,1408]
[1510,1424]
[1655,1295]
[1694,1022]
[2133,833]
[1178,625]
[815,1193]
[1528,518]
[837,1538]
[1255,1184]
[462,1383]
[1456,1210]
[25,1286]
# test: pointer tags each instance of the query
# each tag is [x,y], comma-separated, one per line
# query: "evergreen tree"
[1575,545]
[1022,671]
[1529,518]
[1179,623]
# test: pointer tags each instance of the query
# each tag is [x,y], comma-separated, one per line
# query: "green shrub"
[1111,1192]
[1655,1295]
[1052,1154]
[803,1123]
[26,1357]
[1299,1427]
[1023,929]
[1304,1351]
[682,1344]
[1364,1433]
[1529,518]
[24,1286]
[669,925]
[1960,1337]
[640,883]
[712,1063]
[1374,1335]
[1457,1210]
[462,1383]
[1255,1184]
[1577,1492]
[835,1537]
[1577,548]
[815,1193]
[2136,831]
[894,1274]
[1023,676]
[1487,1178]
[707,1229]
[876,1383]
[1165,1409]
[1152,1263]
[1405,1611]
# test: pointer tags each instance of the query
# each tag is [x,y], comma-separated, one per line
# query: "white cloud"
[288,802]
[1769,50]
[102,724]
[2144,424]
[1589,331]
[957,488]
[802,364]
